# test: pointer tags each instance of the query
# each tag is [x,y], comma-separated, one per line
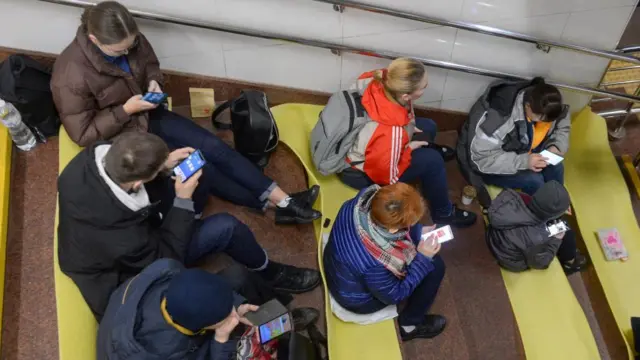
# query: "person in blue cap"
[169,312]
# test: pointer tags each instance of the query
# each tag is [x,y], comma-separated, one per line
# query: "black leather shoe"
[459,218]
[307,197]
[304,317]
[295,280]
[432,326]
[296,213]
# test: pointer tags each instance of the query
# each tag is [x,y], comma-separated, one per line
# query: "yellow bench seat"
[347,341]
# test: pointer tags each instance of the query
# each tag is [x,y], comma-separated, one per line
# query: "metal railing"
[350,49]
[488,30]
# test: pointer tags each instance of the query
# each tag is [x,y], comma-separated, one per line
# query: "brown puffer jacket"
[89,92]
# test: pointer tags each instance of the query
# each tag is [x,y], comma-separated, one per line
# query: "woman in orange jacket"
[395,146]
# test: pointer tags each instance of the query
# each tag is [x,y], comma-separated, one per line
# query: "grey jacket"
[516,237]
[495,136]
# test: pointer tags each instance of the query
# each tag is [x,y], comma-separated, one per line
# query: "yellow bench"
[347,341]
[601,200]
[6,147]
[551,321]
[77,327]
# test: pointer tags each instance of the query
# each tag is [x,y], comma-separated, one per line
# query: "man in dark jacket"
[169,312]
[118,215]
[518,236]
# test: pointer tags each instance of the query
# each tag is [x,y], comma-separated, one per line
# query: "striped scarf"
[394,251]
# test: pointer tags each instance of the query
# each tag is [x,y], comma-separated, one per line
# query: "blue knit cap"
[197,299]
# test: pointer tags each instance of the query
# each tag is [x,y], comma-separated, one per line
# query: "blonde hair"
[404,76]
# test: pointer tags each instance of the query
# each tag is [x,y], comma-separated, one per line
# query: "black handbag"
[255,133]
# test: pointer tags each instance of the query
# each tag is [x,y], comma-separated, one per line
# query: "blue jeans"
[526,180]
[229,175]
[427,166]
[225,233]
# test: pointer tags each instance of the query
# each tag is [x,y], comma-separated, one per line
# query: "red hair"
[397,206]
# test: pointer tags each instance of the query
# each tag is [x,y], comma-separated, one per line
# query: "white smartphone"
[552,158]
[557,227]
[442,234]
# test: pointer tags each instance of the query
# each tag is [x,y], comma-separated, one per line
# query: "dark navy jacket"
[133,327]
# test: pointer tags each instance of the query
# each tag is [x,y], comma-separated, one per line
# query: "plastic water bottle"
[20,133]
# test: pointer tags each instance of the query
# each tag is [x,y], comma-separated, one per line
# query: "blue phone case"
[190,166]
[155,98]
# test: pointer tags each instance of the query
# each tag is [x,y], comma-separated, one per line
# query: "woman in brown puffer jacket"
[97,86]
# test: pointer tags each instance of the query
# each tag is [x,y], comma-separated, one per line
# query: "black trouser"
[567,250]
[252,286]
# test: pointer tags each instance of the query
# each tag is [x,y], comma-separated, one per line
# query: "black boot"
[308,197]
[293,280]
[304,317]
[458,218]
[431,327]
[296,213]
[579,263]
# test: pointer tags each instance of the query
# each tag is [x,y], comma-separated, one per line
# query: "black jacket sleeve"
[177,230]
[541,256]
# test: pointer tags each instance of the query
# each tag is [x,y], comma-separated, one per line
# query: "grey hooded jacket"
[517,238]
[494,139]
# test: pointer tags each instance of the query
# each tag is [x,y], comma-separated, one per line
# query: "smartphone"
[556,227]
[442,234]
[552,158]
[154,98]
[272,319]
[190,165]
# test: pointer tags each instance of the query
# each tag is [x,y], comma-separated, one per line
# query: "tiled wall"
[595,23]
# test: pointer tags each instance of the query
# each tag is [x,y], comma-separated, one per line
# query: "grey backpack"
[336,131]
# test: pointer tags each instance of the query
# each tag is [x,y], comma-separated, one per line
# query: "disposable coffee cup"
[468,194]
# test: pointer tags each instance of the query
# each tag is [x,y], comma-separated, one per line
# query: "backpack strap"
[219,109]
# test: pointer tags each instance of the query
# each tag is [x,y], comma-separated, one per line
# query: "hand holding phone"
[272,320]
[190,166]
[551,158]
[442,234]
[155,98]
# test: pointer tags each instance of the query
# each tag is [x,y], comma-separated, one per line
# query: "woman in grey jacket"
[508,127]
[517,233]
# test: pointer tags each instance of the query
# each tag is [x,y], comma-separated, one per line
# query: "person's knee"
[428,159]
[438,267]
[531,183]
[222,225]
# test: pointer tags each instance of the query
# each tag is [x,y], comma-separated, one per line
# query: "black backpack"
[24,83]
[255,133]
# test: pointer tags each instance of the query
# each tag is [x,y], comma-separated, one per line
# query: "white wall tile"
[483,10]
[449,9]
[432,105]
[301,18]
[575,68]
[38,26]
[434,43]
[462,85]
[286,65]
[460,104]
[597,28]
[358,22]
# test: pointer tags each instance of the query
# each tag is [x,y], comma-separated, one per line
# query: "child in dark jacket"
[517,234]
[374,258]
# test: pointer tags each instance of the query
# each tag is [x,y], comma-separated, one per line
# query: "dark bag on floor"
[24,82]
[255,133]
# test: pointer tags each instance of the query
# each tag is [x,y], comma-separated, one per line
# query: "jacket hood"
[382,110]
[87,197]
[509,210]
[140,303]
